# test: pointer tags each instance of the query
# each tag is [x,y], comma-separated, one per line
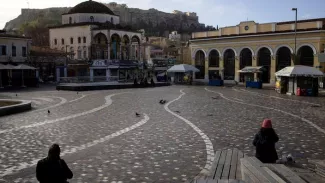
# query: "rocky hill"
[35,22]
[155,22]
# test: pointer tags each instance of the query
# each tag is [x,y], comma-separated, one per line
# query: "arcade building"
[270,45]
[99,48]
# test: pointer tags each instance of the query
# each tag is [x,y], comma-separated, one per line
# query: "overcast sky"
[210,12]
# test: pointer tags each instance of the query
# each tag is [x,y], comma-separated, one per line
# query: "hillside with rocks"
[153,21]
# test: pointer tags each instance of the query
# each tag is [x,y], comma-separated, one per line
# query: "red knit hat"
[267,123]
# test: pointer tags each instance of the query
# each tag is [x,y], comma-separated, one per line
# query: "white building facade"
[91,33]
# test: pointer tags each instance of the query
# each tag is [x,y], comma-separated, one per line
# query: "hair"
[54,151]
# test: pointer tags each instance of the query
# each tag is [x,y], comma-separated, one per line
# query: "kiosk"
[251,75]
[298,80]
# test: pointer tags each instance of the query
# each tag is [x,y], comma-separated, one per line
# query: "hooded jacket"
[265,141]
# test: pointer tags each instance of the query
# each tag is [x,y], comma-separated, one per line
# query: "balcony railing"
[87,79]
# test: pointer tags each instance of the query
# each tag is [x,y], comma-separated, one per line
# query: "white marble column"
[120,53]
[65,71]
[108,74]
[91,74]
[140,52]
[109,51]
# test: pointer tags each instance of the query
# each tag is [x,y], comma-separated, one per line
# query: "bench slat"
[214,164]
[238,169]
[247,175]
[257,171]
[271,173]
[220,165]
[284,171]
[233,166]
[200,180]
[226,168]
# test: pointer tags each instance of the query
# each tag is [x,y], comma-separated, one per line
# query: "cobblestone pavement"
[103,141]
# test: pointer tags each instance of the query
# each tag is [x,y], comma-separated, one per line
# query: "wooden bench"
[225,168]
[254,171]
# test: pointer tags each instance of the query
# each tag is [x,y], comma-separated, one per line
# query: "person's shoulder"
[42,161]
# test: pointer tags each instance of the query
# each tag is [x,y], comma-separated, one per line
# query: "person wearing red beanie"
[264,142]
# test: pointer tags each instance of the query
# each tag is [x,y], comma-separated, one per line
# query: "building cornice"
[255,35]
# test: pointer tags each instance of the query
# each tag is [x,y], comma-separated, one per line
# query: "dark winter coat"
[265,141]
[53,170]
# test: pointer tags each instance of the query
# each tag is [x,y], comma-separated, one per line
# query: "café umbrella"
[183,68]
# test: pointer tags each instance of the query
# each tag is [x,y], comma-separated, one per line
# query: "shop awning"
[6,67]
[251,69]
[183,68]
[23,67]
[299,70]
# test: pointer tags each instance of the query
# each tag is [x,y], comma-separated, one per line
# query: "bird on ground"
[16,95]
[77,93]
[48,111]
[214,97]
[177,112]
[137,114]
[162,101]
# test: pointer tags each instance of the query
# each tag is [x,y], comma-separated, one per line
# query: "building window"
[85,40]
[24,51]
[62,41]
[71,40]
[91,19]
[79,40]
[112,20]
[14,51]
[55,41]
[3,50]
[98,54]
[85,54]
[70,20]
[98,40]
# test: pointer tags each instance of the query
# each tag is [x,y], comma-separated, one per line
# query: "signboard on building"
[99,63]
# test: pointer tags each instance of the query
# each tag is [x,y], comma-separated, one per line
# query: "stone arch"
[246,47]
[283,57]
[115,46]
[200,64]
[245,59]
[196,50]
[213,57]
[229,63]
[305,56]
[283,45]
[228,48]
[100,38]
[264,55]
[310,45]
[264,46]
[208,53]
[135,38]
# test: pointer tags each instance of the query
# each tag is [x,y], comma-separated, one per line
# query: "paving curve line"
[270,96]
[207,141]
[63,101]
[24,165]
[278,110]
[108,103]
[74,100]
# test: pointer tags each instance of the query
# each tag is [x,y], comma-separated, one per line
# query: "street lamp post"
[295,51]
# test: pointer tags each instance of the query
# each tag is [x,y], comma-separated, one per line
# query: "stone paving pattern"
[164,148]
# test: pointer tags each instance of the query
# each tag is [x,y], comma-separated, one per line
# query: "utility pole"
[295,51]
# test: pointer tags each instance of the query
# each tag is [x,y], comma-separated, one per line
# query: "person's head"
[267,124]
[54,151]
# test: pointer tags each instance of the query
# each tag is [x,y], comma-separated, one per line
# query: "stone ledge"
[23,106]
